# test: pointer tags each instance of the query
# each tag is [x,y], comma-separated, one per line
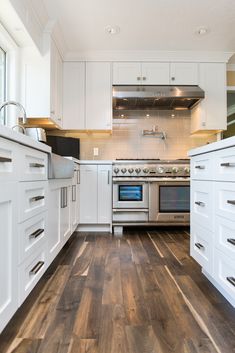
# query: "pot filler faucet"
[20,106]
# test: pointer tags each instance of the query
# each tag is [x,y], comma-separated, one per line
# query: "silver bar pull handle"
[199,167]
[36,268]
[227,164]
[37,198]
[36,234]
[199,246]
[231,241]
[62,198]
[73,193]
[231,280]
[5,160]
[36,165]
[231,202]
[78,176]
[108,177]
[199,203]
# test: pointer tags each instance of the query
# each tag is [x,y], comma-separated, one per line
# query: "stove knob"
[187,170]
[175,170]
[130,170]
[123,170]
[160,170]
[138,170]
[116,170]
[145,170]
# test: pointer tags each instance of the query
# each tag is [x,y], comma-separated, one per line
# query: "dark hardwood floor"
[141,293]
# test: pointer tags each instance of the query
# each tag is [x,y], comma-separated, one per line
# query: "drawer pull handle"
[73,193]
[231,202]
[199,203]
[231,280]
[231,241]
[37,198]
[36,234]
[36,268]
[227,164]
[200,167]
[36,165]
[199,246]
[5,160]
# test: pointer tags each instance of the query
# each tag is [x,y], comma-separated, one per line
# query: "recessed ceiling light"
[112,30]
[201,31]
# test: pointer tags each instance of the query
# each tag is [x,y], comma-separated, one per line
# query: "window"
[2,80]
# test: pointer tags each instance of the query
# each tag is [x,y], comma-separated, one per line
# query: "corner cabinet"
[211,113]
[95,194]
[42,76]
[87,96]
[155,73]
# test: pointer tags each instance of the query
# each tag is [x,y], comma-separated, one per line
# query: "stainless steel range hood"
[156,97]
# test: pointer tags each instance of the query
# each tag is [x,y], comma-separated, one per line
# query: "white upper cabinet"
[211,113]
[41,90]
[184,74]
[126,73]
[155,73]
[74,96]
[98,96]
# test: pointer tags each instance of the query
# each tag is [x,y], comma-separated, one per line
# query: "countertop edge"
[214,146]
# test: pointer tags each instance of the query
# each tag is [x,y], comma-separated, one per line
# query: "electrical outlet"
[95,151]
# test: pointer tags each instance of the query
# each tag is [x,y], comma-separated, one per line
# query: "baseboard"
[94,228]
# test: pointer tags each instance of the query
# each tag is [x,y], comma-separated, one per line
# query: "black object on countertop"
[64,146]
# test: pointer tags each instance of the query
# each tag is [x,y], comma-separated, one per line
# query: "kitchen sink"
[60,167]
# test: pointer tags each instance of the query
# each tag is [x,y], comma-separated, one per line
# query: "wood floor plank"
[83,346]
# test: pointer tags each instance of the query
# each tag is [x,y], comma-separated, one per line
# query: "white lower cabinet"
[95,194]
[74,200]
[8,252]
[59,215]
[212,242]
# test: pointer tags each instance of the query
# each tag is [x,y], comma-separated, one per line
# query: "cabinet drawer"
[30,272]
[32,199]
[32,234]
[224,273]
[33,164]
[201,246]
[201,167]
[8,160]
[224,164]
[202,203]
[225,200]
[225,236]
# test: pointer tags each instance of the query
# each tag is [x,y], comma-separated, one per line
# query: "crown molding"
[150,55]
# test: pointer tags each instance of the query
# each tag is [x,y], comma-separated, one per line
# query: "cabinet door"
[65,225]
[56,78]
[74,206]
[155,73]
[98,96]
[104,193]
[54,238]
[74,96]
[88,194]
[8,252]
[184,74]
[126,73]
[213,82]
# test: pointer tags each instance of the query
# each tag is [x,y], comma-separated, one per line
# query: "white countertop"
[18,137]
[229,142]
[93,161]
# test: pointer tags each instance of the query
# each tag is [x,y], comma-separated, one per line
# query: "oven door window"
[174,199]
[130,193]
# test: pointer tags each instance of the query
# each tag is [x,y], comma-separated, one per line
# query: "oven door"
[169,202]
[130,194]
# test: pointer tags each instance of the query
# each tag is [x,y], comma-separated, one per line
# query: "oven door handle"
[131,210]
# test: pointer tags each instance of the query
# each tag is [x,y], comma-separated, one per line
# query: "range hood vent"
[156,97]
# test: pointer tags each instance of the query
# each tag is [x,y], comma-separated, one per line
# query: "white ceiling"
[145,24]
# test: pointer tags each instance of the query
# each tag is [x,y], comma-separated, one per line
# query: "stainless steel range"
[151,192]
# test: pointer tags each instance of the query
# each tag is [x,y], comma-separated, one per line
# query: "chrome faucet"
[20,106]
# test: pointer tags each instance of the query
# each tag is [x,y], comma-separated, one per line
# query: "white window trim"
[12,70]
